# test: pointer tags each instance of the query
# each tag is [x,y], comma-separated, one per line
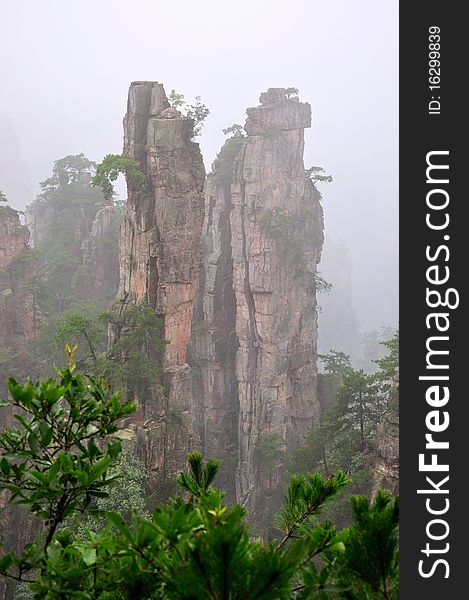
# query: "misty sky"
[66,66]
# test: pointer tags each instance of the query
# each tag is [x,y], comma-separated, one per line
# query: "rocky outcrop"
[160,255]
[240,369]
[214,342]
[385,455]
[14,236]
[98,277]
[16,313]
[253,345]
[16,327]
[37,219]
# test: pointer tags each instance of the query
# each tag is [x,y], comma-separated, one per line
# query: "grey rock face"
[100,266]
[385,456]
[232,274]
[16,311]
[253,345]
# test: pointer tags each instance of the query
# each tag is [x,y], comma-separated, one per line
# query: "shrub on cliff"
[60,457]
[109,170]
[222,167]
[198,111]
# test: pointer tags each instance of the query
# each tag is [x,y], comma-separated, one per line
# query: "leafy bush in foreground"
[60,457]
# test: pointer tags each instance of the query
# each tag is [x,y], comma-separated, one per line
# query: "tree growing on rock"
[316,174]
[197,111]
[109,170]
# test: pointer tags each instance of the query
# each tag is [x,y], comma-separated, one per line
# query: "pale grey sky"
[66,67]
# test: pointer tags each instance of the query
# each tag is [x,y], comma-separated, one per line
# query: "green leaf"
[46,432]
[5,467]
[5,562]
[39,476]
[88,554]
[119,524]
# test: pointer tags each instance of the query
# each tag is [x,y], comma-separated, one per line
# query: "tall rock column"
[253,343]
[160,253]
[277,237]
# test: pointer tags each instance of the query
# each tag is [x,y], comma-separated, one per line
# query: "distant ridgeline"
[210,291]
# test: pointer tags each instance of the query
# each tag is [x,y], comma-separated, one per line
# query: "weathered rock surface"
[254,337]
[14,236]
[99,275]
[16,318]
[240,365]
[214,342]
[385,456]
[16,326]
[160,255]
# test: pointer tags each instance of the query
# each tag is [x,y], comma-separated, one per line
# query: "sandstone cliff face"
[16,326]
[16,318]
[160,253]
[254,335]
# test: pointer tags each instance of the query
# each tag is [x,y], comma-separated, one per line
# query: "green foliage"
[74,168]
[135,355]
[292,91]
[321,285]
[291,241]
[389,364]
[55,464]
[274,222]
[128,497]
[346,434]
[373,348]
[198,481]
[270,449]
[109,170]
[67,206]
[235,129]
[176,100]
[222,167]
[370,564]
[63,309]
[88,333]
[316,175]
[305,497]
[56,460]
[197,111]
[336,362]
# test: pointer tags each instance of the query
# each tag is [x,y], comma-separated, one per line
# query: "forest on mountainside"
[188,317]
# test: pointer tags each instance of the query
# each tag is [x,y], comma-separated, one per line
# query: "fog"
[66,68]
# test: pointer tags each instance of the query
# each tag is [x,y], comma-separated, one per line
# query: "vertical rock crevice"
[214,341]
[263,237]
[231,270]
[277,229]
